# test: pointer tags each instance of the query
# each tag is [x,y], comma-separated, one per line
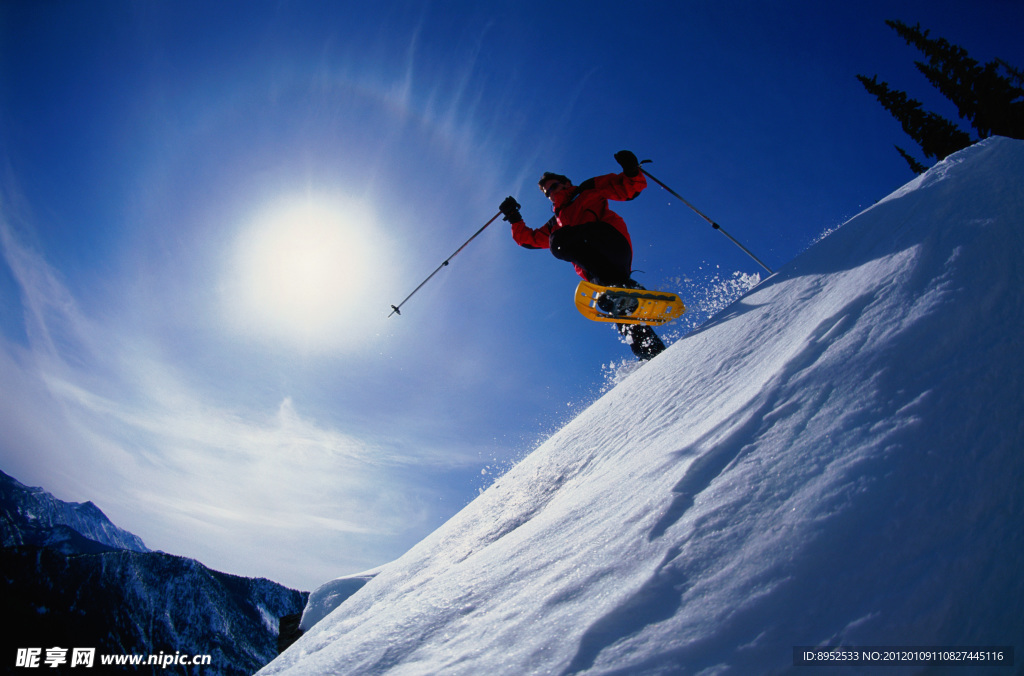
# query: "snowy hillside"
[835,459]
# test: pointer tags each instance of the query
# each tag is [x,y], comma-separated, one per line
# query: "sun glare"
[301,269]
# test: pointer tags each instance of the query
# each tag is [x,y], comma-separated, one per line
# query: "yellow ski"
[627,306]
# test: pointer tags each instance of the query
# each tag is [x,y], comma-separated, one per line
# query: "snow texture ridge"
[329,596]
[833,459]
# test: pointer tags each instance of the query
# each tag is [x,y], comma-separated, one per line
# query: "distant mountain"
[27,514]
[106,591]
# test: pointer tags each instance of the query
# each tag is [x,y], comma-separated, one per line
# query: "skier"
[586,233]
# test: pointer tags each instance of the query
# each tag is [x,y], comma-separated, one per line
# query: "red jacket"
[586,204]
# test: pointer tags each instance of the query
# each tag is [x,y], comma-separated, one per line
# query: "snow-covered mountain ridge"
[70,577]
[835,459]
[24,510]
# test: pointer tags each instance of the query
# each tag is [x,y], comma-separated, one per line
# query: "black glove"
[630,165]
[510,208]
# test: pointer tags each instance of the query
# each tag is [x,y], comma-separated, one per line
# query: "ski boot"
[618,306]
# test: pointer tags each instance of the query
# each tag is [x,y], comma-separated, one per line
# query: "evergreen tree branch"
[937,136]
[915,166]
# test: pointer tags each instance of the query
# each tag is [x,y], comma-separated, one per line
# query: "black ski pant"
[601,250]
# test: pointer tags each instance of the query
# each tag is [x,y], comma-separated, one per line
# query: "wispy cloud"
[163,458]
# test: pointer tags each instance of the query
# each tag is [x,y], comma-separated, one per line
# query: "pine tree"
[937,136]
[985,97]
[990,97]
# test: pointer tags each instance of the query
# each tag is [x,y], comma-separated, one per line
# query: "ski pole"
[395,308]
[714,225]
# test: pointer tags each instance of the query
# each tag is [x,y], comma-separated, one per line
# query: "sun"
[300,270]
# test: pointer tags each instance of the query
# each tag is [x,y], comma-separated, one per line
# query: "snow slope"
[837,458]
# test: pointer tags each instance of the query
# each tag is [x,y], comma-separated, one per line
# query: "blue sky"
[207,209]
